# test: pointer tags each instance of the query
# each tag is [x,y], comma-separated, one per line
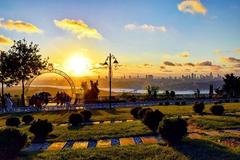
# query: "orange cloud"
[168,63]
[79,28]
[189,64]
[184,55]
[19,26]
[192,6]
[146,27]
[5,41]
[237,51]
[230,59]
[205,63]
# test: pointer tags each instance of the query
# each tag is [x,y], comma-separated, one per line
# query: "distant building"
[149,77]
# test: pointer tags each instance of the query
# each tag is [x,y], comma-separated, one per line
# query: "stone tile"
[56,146]
[106,122]
[137,140]
[149,140]
[69,144]
[80,145]
[127,141]
[92,143]
[33,147]
[115,142]
[117,121]
[95,122]
[104,143]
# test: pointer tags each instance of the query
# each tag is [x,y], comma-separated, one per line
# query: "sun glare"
[78,65]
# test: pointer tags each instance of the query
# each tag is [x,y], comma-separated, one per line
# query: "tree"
[231,85]
[172,94]
[167,94]
[152,91]
[210,91]
[27,61]
[6,71]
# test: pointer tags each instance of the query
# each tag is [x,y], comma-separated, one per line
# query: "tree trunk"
[23,94]
[3,100]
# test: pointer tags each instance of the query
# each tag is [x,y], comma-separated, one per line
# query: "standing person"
[58,98]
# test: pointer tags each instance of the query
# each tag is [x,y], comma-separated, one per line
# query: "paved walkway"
[194,133]
[97,122]
[102,143]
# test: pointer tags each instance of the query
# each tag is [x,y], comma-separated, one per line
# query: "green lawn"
[119,113]
[189,150]
[100,131]
[216,122]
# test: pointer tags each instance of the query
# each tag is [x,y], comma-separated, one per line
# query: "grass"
[118,114]
[216,122]
[101,131]
[189,150]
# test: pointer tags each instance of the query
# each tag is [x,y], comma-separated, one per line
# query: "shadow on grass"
[114,111]
[204,150]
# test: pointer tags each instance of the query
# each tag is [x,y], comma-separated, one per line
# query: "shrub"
[41,129]
[13,121]
[198,107]
[11,142]
[236,100]
[27,119]
[152,118]
[142,112]
[227,101]
[217,109]
[173,130]
[75,119]
[134,112]
[183,103]
[177,103]
[167,103]
[86,115]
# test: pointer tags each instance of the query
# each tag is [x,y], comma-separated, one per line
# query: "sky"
[159,37]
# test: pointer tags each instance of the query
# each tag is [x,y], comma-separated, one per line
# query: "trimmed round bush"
[86,115]
[173,130]
[166,103]
[41,129]
[27,119]
[217,109]
[183,103]
[134,112]
[142,112]
[198,108]
[152,118]
[75,119]
[13,121]
[11,142]
[177,103]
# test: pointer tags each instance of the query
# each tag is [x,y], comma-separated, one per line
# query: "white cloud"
[145,27]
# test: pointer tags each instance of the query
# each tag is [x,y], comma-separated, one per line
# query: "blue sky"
[210,36]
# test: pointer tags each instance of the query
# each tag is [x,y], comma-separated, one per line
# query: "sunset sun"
[78,65]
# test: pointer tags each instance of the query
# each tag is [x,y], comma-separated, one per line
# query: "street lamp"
[108,62]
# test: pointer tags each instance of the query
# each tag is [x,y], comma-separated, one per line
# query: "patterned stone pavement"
[103,143]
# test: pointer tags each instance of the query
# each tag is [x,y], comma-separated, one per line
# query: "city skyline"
[162,38]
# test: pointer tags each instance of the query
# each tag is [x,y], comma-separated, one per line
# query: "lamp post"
[108,62]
